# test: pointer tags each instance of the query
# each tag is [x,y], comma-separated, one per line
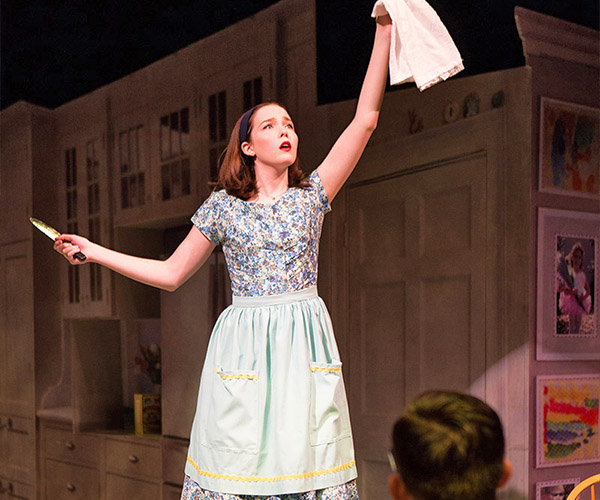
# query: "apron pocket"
[329,416]
[232,423]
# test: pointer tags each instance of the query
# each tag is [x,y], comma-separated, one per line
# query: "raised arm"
[346,152]
[168,274]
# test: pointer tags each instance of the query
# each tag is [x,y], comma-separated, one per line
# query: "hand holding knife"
[52,234]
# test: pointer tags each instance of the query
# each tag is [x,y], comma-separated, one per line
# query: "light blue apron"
[272,415]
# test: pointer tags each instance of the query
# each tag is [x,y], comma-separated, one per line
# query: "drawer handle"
[70,445]
[7,489]
[71,487]
[133,459]
[7,425]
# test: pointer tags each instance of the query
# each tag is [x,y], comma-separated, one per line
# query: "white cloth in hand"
[422,49]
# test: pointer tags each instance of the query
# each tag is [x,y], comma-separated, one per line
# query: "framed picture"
[567,420]
[568,285]
[569,155]
[555,490]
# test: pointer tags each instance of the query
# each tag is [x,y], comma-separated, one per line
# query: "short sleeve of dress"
[317,185]
[207,218]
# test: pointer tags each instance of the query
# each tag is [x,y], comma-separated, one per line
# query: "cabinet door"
[185,327]
[16,330]
[171,492]
[124,488]
[18,443]
[131,170]
[87,290]
[155,168]
[17,396]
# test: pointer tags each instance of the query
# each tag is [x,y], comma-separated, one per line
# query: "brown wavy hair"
[236,170]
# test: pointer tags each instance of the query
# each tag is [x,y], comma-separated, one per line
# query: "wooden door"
[417,296]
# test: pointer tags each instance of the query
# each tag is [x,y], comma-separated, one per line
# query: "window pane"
[175,134]
[138,149]
[213,161]
[72,204]
[67,169]
[89,160]
[166,182]
[185,177]
[124,192]
[91,199]
[133,190]
[74,166]
[212,118]
[131,150]
[141,189]
[185,130]
[123,151]
[165,135]
[175,179]
[222,116]
[247,96]
[258,96]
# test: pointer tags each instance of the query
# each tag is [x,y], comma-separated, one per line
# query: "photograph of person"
[556,490]
[575,313]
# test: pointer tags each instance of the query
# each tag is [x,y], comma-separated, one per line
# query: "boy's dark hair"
[449,446]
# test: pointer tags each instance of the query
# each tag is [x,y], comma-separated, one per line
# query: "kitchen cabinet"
[87,290]
[156,182]
[98,465]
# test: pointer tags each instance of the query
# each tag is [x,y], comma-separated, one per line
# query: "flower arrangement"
[149,362]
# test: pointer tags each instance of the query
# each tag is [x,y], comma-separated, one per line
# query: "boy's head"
[448,446]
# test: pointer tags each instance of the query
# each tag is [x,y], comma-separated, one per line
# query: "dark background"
[53,51]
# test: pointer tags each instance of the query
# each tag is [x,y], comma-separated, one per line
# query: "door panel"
[416,315]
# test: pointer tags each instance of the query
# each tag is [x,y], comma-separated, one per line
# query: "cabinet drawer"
[64,445]
[71,482]
[124,488]
[133,459]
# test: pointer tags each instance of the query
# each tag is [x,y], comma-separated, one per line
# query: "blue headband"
[244,125]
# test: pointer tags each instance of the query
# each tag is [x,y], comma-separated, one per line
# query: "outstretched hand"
[384,20]
[70,244]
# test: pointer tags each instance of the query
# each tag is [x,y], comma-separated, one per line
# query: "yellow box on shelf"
[147,416]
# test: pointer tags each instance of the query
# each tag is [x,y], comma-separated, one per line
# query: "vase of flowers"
[148,361]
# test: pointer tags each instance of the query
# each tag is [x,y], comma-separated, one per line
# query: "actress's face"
[273,140]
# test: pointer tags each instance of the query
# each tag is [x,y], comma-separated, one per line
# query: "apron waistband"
[273,300]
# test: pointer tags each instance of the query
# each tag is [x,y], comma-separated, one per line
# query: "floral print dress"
[272,418]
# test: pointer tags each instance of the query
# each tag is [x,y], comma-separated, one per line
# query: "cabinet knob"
[71,487]
[133,459]
[70,445]
[6,488]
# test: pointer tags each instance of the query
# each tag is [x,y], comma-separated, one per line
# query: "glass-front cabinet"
[155,179]
[87,290]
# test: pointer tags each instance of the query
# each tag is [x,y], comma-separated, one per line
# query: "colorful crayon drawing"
[568,420]
[569,148]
